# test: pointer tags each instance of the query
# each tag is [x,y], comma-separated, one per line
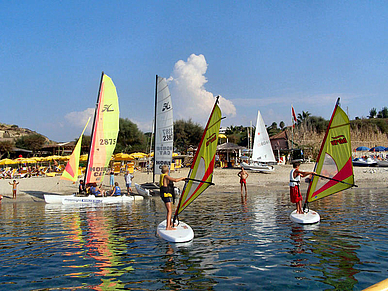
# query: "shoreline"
[226,180]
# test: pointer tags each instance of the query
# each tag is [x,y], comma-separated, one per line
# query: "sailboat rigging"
[334,164]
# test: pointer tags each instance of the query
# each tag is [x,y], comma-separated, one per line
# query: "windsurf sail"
[201,171]
[71,171]
[164,128]
[104,132]
[262,149]
[334,161]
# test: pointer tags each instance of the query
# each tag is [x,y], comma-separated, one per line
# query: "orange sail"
[334,164]
[71,171]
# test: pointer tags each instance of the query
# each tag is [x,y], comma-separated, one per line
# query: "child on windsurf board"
[167,194]
[295,195]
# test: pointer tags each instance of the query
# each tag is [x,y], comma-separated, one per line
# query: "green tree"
[372,113]
[6,147]
[383,113]
[130,139]
[302,117]
[282,124]
[31,142]
[186,134]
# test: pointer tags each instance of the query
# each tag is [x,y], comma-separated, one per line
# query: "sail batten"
[201,170]
[334,159]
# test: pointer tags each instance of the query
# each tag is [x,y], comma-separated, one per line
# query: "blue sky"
[258,55]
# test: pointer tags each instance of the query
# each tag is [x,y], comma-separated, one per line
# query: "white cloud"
[190,98]
[79,118]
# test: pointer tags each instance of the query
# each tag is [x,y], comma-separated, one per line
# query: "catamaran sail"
[262,149]
[71,171]
[333,167]
[334,160]
[163,127]
[104,132]
[201,171]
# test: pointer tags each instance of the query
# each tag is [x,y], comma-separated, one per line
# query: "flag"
[293,115]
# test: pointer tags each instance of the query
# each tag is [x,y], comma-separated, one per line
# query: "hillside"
[13,132]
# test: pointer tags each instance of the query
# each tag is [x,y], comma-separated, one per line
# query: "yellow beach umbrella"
[138,155]
[222,136]
[83,158]
[6,162]
[122,157]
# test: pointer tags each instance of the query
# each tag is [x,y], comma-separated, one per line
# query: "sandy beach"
[32,189]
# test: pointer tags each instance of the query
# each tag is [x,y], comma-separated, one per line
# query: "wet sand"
[32,189]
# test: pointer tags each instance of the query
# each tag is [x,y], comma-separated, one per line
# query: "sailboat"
[164,136]
[333,167]
[103,142]
[199,178]
[262,153]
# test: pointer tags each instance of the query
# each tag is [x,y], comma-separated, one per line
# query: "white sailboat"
[164,136]
[262,155]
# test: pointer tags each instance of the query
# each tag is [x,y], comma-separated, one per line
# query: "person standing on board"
[166,184]
[243,180]
[295,195]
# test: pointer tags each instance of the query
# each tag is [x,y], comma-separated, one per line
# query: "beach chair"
[116,167]
[172,167]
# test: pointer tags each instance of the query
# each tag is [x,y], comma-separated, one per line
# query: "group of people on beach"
[115,189]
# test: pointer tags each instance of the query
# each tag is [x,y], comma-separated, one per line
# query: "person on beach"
[128,181]
[14,185]
[96,190]
[81,187]
[112,178]
[167,194]
[116,190]
[295,195]
[243,180]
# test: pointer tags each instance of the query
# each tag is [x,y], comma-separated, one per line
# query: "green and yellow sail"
[334,159]
[201,171]
[71,172]
[104,132]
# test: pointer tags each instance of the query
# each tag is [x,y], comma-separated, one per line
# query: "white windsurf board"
[309,217]
[182,233]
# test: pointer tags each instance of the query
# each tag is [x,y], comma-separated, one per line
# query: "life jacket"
[294,181]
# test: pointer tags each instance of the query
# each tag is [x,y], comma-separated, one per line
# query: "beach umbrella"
[122,157]
[6,162]
[362,149]
[377,149]
[83,158]
[138,155]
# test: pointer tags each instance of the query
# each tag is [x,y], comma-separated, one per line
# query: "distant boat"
[360,162]
[103,142]
[262,155]
[333,167]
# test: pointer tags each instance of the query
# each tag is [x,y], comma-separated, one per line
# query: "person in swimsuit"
[243,180]
[14,188]
[167,194]
[295,195]
[116,190]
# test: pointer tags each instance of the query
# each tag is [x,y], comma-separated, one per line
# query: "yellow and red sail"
[104,132]
[201,171]
[71,171]
[334,159]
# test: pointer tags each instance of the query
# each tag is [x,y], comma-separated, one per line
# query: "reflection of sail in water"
[264,210]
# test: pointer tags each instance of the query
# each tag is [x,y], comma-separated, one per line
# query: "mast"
[94,123]
[156,102]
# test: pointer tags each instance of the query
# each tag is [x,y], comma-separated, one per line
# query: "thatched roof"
[229,146]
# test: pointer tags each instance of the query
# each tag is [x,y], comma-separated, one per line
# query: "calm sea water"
[239,245]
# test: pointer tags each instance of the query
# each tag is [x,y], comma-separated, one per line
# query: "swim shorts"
[295,195]
[243,181]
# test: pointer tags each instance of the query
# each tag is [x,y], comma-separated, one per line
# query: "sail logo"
[340,139]
[166,106]
[107,108]
[211,139]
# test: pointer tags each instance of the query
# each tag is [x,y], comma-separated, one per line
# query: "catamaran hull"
[258,167]
[182,233]
[100,200]
[55,199]
[309,217]
[146,191]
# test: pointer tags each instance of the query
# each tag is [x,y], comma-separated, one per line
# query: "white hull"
[182,233]
[359,162]
[259,167]
[91,199]
[309,217]
[142,191]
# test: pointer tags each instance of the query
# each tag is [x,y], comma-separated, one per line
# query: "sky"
[256,55]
